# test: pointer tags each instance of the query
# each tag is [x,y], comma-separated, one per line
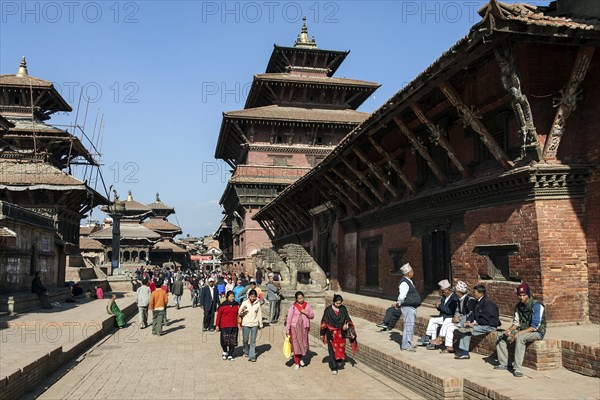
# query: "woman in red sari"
[297,326]
[336,326]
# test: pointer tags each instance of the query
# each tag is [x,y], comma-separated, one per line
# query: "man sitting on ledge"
[447,308]
[485,319]
[528,325]
[38,288]
[408,301]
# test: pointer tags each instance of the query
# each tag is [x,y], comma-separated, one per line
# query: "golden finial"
[22,68]
[129,196]
[303,40]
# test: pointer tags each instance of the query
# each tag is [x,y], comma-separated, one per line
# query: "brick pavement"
[186,363]
[27,336]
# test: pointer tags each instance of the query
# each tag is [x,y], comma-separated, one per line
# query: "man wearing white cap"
[466,305]
[209,301]
[447,308]
[408,301]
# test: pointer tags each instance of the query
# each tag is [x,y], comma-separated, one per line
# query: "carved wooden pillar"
[416,144]
[568,101]
[439,138]
[376,172]
[363,179]
[519,102]
[469,119]
[354,187]
[394,164]
[345,196]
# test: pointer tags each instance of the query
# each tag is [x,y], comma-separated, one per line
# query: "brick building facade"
[485,169]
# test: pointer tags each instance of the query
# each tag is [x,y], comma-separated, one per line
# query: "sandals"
[447,350]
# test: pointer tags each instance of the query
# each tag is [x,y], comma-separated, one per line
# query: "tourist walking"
[251,314]
[209,301]
[297,326]
[336,327]
[143,300]
[227,323]
[158,304]
[178,290]
[113,309]
[273,299]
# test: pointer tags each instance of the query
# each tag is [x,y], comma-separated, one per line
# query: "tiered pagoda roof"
[297,90]
[161,209]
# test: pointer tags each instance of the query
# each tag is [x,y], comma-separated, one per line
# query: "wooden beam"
[568,102]
[354,187]
[347,197]
[303,215]
[283,221]
[439,138]
[519,103]
[469,119]
[240,132]
[394,164]
[376,172]
[414,141]
[297,221]
[265,228]
[362,179]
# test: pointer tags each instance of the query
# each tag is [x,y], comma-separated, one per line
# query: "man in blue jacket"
[447,308]
[529,325]
[485,319]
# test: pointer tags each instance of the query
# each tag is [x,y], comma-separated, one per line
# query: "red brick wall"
[592,209]
[563,259]
[510,223]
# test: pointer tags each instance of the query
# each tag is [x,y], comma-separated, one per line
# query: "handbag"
[351,333]
[287,347]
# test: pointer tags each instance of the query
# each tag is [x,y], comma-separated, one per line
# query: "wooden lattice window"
[498,261]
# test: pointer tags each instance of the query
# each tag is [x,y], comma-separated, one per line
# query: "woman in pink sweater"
[297,326]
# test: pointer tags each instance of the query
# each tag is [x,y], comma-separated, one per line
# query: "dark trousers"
[209,318]
[229,340]
[333,363]
[44,300]
[392,315]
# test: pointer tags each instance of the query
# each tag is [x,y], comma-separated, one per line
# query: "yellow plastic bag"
[287,347]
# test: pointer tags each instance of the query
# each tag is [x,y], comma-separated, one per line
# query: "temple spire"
[129,196]
[303,40]
[22,68]
[157,198]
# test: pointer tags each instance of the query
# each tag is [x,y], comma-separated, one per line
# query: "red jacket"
[227,315]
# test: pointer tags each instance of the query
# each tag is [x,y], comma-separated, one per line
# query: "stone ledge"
[21,381]
[23,301]
[540,355]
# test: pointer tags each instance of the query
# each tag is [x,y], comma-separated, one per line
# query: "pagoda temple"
[147,237]
[35,174]
[295,114]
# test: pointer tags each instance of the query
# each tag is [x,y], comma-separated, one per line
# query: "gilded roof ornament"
[157,198]
[303,39]
[129,196]
[22,68]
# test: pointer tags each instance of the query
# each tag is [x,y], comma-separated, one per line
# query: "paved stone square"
[186,363]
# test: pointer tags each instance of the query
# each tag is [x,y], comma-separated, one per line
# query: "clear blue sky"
[163,72]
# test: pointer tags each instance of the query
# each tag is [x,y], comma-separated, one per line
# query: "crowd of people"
[469,315]
[232,302]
